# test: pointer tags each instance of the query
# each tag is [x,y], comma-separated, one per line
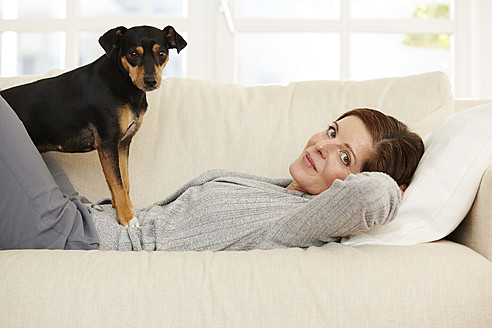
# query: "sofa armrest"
[476,229]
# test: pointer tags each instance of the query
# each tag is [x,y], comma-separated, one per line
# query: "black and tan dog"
[100,105]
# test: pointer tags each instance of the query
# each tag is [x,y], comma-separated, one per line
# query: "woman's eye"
[345,159]
[331,132]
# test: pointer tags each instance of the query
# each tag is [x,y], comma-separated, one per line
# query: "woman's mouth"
[308,161]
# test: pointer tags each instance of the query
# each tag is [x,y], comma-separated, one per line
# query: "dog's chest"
[129,122]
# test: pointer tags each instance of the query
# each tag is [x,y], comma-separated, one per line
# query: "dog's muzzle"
[150,81]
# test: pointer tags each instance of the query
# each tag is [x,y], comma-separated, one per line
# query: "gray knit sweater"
[221,210]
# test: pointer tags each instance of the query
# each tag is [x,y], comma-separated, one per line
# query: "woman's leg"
[34,213]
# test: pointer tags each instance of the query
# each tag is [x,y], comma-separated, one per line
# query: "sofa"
[431,268]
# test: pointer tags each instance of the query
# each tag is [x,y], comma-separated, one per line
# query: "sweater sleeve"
[353,205]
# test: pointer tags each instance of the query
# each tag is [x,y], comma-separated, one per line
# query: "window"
[397,54]
[37,36]
[282,57]
[252,41]
[356,39]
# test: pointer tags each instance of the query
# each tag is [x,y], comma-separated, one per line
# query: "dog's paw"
[97,207]
[133,223]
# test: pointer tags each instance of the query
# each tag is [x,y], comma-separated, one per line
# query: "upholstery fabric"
[330,286]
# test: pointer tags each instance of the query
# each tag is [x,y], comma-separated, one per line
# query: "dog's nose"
[150,81]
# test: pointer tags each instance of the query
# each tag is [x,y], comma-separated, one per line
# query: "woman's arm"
[347,207]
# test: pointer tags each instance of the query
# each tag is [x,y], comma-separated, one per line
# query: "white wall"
[481,40]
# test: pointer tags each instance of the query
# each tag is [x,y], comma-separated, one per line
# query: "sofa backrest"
[194,125]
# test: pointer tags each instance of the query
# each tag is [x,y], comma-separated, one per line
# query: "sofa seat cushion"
[440,284]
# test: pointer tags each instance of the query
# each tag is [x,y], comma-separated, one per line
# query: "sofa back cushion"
[194,125]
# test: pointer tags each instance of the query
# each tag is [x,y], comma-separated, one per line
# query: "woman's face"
[332,154]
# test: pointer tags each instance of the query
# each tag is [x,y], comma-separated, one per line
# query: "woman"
[328,197]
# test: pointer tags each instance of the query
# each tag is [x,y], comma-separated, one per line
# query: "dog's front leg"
[123,153]
[109,157]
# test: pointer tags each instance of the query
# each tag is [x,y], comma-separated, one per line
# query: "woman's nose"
[323,147]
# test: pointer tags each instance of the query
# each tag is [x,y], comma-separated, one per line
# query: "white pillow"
[445,183]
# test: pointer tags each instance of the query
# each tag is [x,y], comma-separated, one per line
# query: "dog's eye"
[161,53]
[133,55]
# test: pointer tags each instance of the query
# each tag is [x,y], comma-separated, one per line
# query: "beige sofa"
[192,126]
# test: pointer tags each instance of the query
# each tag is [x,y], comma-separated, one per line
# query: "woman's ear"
[403,187]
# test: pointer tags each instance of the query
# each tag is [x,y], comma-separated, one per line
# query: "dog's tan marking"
[119,33]
[113,177]
[129,125]
[159,68]
[118,192]
[158,72]
[125,64]
[128,122]
[125,118]
[123,152]
[136,73]
[138,78]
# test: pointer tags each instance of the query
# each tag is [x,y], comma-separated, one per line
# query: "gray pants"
[38,208]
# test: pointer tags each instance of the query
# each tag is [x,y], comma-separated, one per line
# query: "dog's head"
[143,51]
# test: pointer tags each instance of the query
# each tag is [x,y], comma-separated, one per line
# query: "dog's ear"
[111,39]
[174,40]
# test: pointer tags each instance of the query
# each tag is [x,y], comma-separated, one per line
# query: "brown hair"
[396,149]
